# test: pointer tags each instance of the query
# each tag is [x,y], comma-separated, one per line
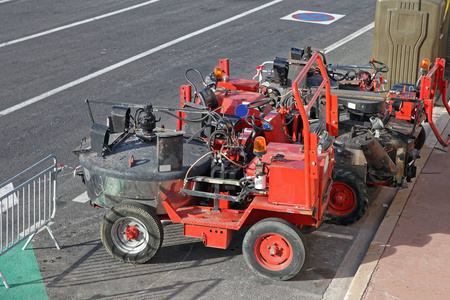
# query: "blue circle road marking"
[313,17]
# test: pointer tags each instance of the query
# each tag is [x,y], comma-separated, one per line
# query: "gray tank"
[134,166]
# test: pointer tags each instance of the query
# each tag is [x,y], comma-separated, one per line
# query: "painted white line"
[9,201]
[132,59]
[4,1]
[334,235]
[349,38]
[83,198]
[76,23]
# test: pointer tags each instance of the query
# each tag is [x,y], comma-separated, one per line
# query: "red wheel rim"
[273,252]
[342,199]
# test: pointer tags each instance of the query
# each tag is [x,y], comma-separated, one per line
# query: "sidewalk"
[409,257]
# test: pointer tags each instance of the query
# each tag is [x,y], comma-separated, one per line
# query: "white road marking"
[9,201]
[26,38]
[4,1]
[132,59]
[349,38]
[334,235]
[83,198]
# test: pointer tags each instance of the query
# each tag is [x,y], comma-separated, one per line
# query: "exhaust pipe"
[378,161]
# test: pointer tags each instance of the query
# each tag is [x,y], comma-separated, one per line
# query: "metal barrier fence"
[30,206]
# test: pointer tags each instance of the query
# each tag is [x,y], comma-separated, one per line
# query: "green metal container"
[407,31]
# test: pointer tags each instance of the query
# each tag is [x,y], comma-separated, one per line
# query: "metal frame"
[427,93]
[28,207]
[310,139]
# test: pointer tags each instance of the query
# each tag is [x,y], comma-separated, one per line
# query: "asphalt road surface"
[56,54]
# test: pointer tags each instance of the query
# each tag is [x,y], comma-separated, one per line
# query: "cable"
[233,162]
[201,77]
[285,94]
[187,173]
[187,120]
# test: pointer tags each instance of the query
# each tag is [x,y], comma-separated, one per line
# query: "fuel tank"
[143,171]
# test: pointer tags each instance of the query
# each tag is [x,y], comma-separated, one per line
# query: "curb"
[376,249]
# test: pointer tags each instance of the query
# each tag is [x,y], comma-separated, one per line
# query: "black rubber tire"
[289,244]
[347,182]
[420,140]
[149,240]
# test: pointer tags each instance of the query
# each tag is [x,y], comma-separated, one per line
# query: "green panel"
[21,271]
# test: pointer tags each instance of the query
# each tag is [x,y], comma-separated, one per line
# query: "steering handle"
[250,120]
[378,66]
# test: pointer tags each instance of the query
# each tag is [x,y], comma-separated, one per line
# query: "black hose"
[190,82]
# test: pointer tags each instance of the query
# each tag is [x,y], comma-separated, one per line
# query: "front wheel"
[131,232]
[348,198]
[273,248]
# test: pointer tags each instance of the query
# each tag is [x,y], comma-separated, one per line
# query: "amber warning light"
[424,65]
[218,73]
[260,147]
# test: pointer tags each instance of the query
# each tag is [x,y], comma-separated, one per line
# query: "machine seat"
[361,101]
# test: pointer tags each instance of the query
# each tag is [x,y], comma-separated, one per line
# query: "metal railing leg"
[4,280]
[53,237]
[29,240]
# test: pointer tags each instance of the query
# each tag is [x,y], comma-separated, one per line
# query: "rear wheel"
[348,198]
[273,248]
[131,232]
[420,140]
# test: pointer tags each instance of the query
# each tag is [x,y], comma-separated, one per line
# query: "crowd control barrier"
[29,206]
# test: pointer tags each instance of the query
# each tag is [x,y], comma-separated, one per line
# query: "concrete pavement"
[408,258]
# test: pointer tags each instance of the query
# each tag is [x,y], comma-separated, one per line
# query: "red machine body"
[428,88]
[408,109]
[417,106]
[235,83]
[240,84]
[229,99]
[298,177]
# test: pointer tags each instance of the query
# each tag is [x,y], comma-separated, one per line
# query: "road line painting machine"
[237,162]
[380,132]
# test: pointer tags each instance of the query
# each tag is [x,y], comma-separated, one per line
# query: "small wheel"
[266,126]
[258,104]
[131,232]
[273,248]
[349,198]
[378,66]
[420,140]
